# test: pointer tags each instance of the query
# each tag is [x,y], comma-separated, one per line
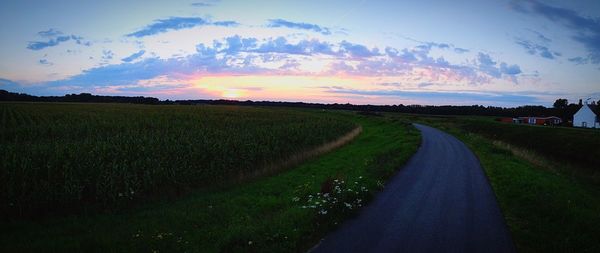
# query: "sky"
[464,52]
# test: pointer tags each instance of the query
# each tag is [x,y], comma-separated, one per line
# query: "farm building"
[546,121]
[586,117]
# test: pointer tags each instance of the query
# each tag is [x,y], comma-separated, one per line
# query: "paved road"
[440,201]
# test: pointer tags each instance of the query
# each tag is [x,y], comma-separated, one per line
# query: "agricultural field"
[59,157]
[544,179]
[282,211]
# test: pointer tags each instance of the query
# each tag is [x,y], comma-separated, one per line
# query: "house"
[552,120]
[586,117]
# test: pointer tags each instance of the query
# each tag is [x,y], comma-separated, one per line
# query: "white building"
[586,117]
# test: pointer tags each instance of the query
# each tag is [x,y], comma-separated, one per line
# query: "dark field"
[580,147]
[284,212]
[63,156]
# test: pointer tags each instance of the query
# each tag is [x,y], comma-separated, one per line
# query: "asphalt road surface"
[441,201]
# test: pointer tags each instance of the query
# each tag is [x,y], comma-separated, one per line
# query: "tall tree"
[561,103]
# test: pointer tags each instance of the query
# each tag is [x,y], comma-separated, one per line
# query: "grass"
[580,147]
[270,214]
[57,156]
[546,210]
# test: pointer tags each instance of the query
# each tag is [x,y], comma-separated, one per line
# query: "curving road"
[440,201]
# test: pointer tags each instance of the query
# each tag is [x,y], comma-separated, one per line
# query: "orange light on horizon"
[232,93]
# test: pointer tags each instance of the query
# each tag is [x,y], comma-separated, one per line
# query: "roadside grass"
[269,214]
[545,209]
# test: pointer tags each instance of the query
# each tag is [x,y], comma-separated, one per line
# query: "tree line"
[561,107]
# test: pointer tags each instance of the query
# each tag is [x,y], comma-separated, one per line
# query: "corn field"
[56,156]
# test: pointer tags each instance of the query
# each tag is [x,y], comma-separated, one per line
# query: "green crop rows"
[59,156]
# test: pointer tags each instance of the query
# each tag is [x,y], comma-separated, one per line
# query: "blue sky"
[503,53]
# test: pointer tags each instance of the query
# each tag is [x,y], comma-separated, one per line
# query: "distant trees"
[561,107]
[561,103]
[82,97]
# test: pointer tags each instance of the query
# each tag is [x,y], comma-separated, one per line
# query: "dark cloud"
[460,50]
[201,4]
[579,60]
[45,62]
[107,54]
[226,23]
[134,56]
[50,33]
[489,66]
[533,48]
[299,25]
[586,29]
[177,23]
[164,25]
[55,38]
[357,50]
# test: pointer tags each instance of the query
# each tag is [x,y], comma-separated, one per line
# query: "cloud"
[460,50]
[7,84]
[540,36]
[238,55]
[107,54]
[50,33]
[207,3]
[357,50]
[510,69]
[490,67]
[452,97]
[134,56]
[164,25]
[176,23]
[55,38]
[299,25]
[536,49]
[226,23]
[579,60]
[201,4]
[45,62]
[586,29]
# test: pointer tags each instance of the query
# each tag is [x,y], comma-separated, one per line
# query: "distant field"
[577,146]
[56,155]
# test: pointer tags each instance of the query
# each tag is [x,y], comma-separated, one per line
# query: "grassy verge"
[546,211]
[272,214]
